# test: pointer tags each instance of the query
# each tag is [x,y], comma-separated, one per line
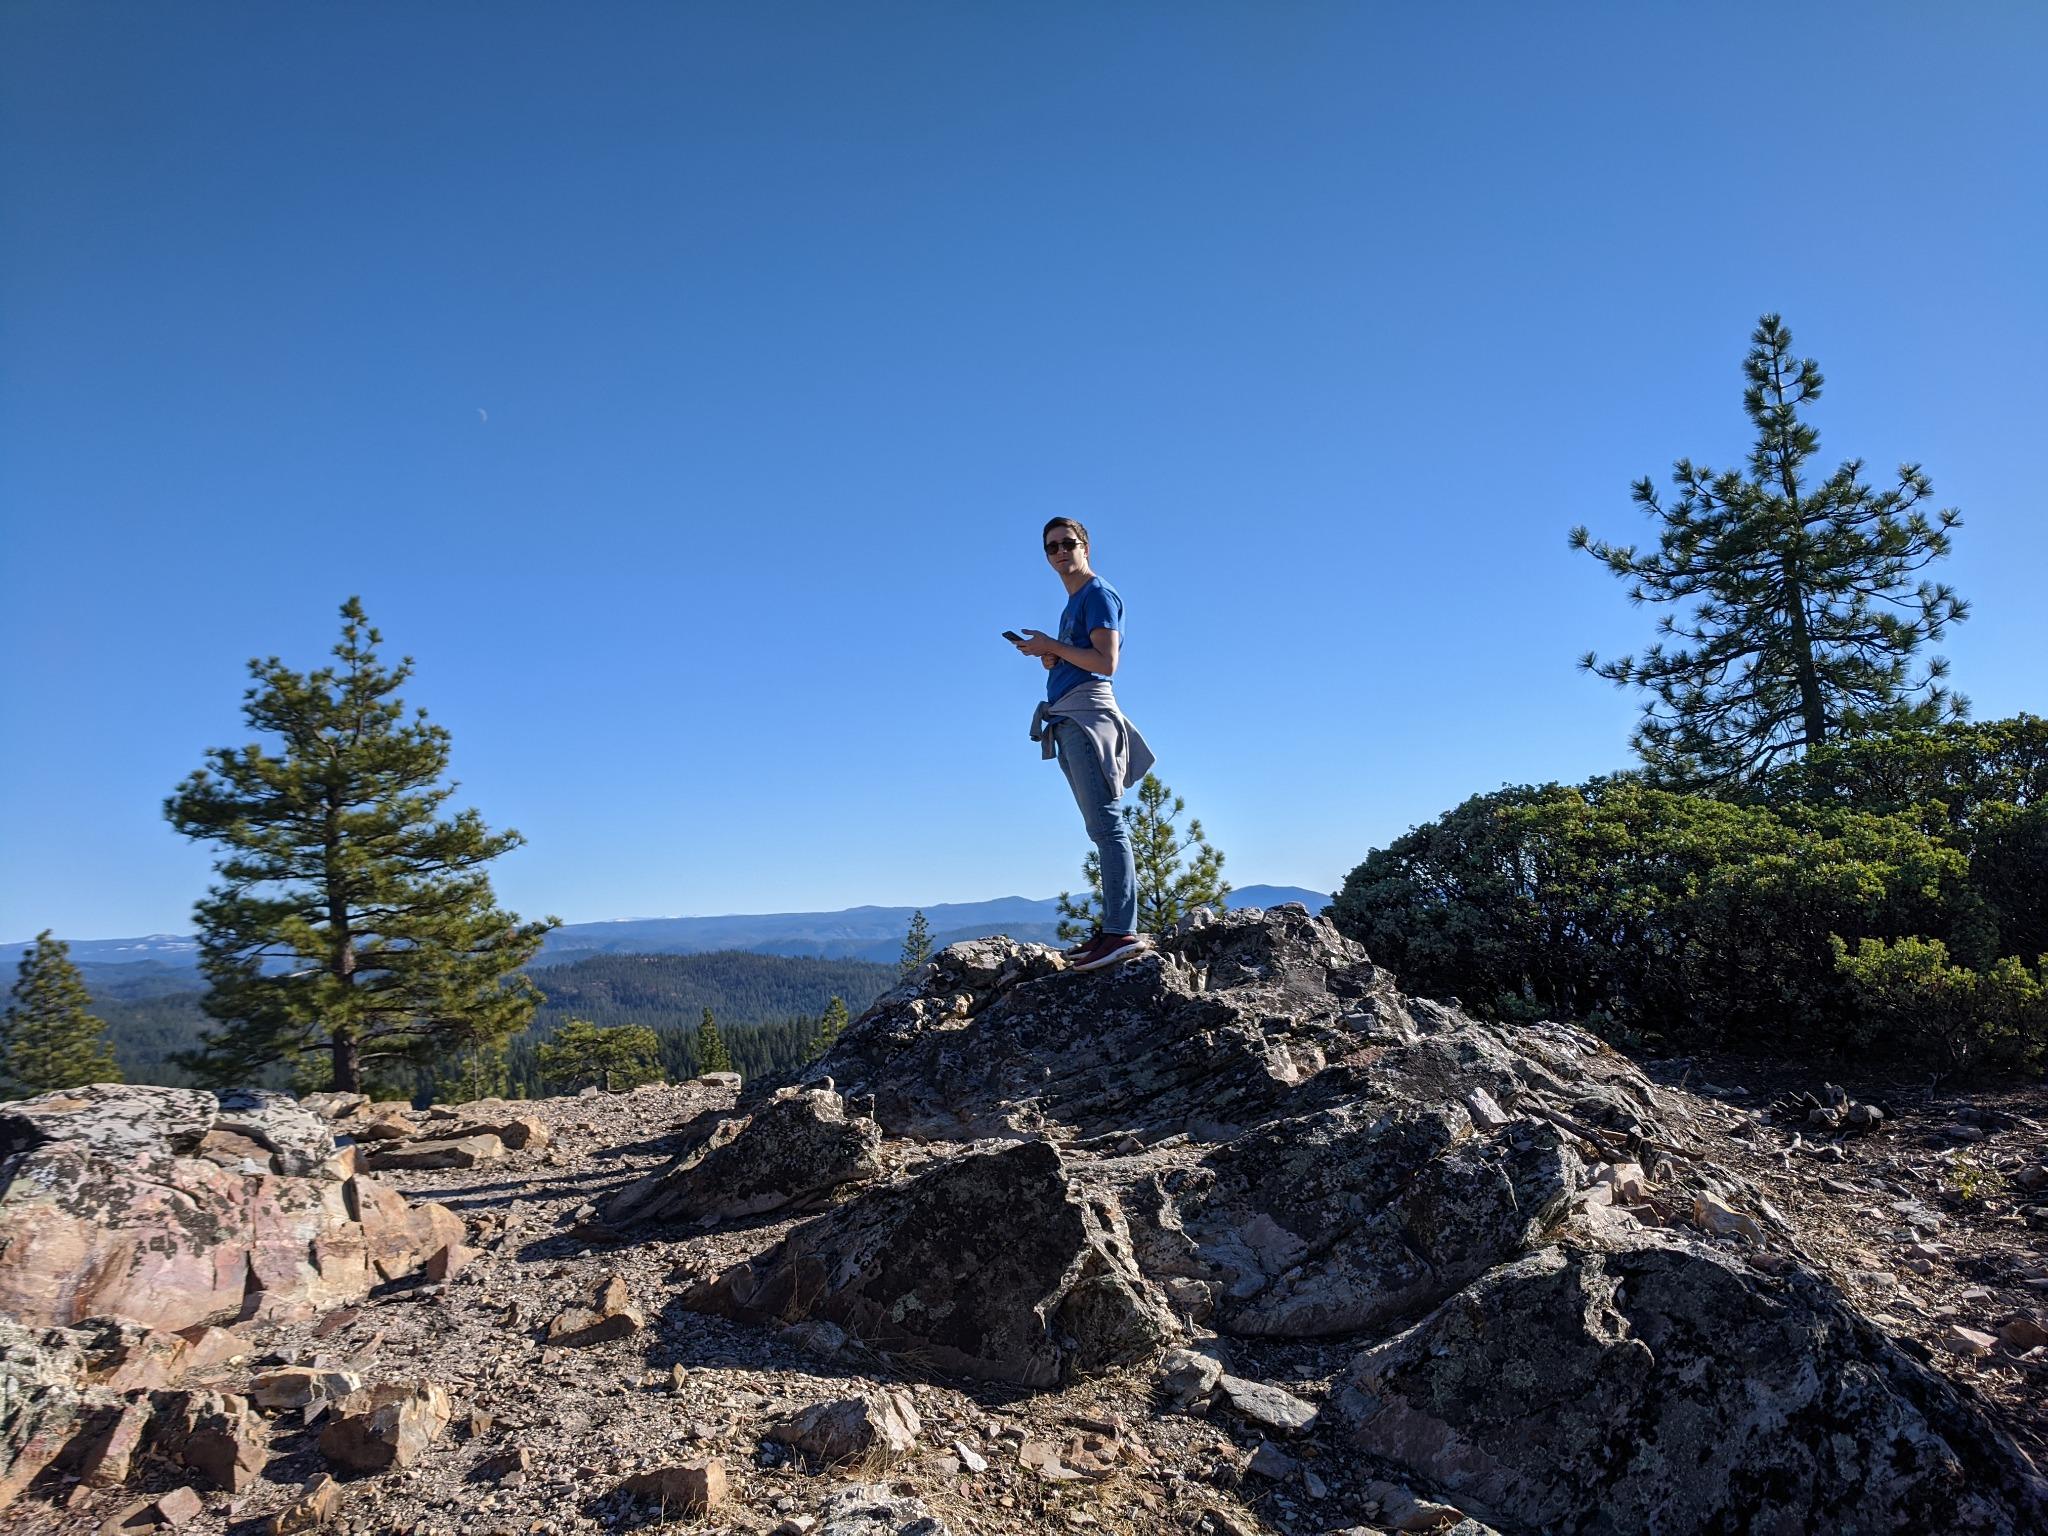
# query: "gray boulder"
[1671,1388]
[994,1265]
[792,1152]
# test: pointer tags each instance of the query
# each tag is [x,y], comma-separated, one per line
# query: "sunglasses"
[1062,546]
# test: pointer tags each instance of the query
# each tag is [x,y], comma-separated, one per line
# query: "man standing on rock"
[1100,751]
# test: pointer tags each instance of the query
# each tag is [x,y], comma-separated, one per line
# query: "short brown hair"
[1063,522]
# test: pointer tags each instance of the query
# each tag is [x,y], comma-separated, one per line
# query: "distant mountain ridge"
[857,933]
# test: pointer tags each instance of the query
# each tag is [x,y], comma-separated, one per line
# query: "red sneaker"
[1109,948]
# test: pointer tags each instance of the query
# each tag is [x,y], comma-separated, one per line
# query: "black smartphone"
[1013,637]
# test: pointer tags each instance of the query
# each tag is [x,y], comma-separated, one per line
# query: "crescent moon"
[482,415]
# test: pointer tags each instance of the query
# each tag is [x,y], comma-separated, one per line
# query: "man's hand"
[1099,658]
[1038,643]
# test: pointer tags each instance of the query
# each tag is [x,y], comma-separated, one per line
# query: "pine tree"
[712,1055]
[349,918]
[48,1038]
[1805,620]
[1167,888]
[830,1028]
[917,948]
[477,1069]
[583,1055]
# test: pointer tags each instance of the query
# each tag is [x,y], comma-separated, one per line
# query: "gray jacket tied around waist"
[1121,751]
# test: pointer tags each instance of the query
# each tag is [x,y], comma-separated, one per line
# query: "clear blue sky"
[794,321]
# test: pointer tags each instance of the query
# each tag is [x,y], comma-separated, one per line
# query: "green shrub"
[1655,915]
[1907,994]
[1980,788]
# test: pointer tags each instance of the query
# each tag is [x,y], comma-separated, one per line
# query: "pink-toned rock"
[690,1488]
[398,1236]
[318,1502]
[109,1207]
[126,1357]
[105,1454]
[446,1263]
[178,1508]
[217,1435]
[211,1346]
[385,1426]
[464,1152]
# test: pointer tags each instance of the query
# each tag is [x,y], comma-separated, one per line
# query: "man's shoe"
[1082,950]
[1110,948]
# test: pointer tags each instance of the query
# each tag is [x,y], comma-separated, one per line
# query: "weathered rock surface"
[876,1509]
[687,1490]
[609,1315]
[217,1435]
[1266,1134]
[793,1151]
[471,1151]
[1581,1390]
[149,1204]
[385,1426]
[995,1265]
[42,1405]
[881,1423]
[1429,1273]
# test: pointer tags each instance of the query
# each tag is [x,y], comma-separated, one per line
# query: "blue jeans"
[1098,812]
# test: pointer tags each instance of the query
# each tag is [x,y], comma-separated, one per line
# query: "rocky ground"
[1935,1223]
[1236,1336]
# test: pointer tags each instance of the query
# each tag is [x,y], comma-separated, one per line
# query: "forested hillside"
[767,1005]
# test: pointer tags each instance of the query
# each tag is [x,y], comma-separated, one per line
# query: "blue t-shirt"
[1095,606]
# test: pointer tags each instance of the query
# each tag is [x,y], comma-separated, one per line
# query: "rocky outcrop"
[792,1152]
[994,1264]
[1567,1315]
[173,1207]
[1636,1388]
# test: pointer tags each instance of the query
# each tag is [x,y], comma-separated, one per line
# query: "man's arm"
[1099,658]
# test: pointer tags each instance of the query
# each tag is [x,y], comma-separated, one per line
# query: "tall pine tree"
[917,947]
[712,1056]
[1804,616]
[350,918]
[48,1036]
[1177,869]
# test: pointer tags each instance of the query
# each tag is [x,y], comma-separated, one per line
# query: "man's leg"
[1106,829]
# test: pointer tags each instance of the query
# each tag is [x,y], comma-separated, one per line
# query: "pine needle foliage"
[582,1055]
[917,948]
[830,1027]
[712,1056]
[1798,614]
[48,1036]
[1177,868]
[350,918]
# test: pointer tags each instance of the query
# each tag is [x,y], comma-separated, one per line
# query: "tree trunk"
[348,1066]
[1812,708]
